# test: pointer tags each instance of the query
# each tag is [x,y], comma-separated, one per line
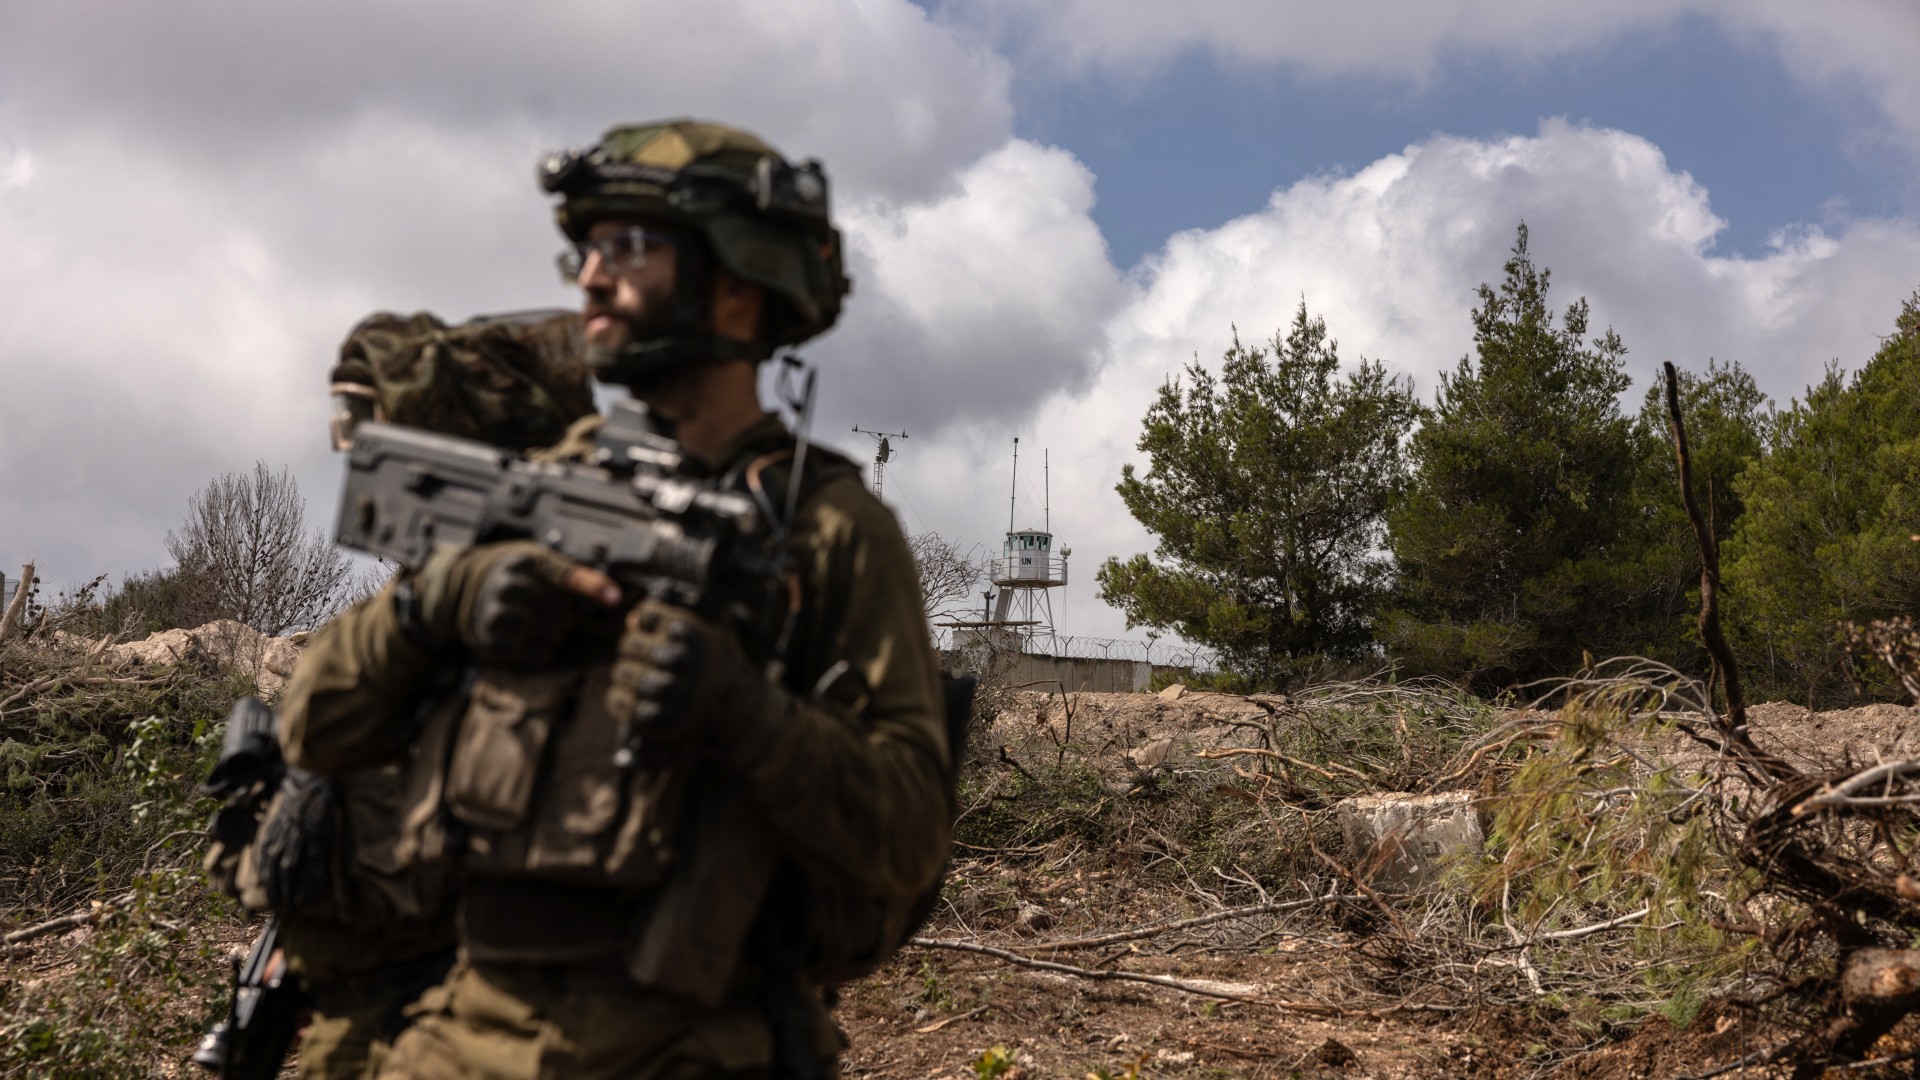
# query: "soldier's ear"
[739,308]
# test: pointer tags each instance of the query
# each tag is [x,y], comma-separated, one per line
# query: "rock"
[1174,692]
[1151,754]
[1403,840]
[268,659]
[1032,919]
[1882,976]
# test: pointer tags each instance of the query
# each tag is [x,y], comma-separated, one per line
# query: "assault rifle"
[252,1042]
[635,512]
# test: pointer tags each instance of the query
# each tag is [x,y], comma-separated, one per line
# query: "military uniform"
[670,829]
[366,930]
[583,951]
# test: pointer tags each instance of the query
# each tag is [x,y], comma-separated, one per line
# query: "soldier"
[670,913]
[364,934]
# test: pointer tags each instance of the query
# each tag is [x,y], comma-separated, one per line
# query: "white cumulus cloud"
[1390,257]
[197,203]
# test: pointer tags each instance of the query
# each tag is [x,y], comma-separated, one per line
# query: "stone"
[1174,692]
[1404,841]
[226,642]
[1152,754]
[1032,918]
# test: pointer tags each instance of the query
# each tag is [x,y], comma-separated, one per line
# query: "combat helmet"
[759,217]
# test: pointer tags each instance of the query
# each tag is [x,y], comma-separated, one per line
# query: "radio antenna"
[882,453]
[1014,490]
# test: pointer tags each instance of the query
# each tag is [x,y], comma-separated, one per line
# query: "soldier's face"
[628,271]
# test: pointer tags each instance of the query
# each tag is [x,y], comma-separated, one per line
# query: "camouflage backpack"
[515,381]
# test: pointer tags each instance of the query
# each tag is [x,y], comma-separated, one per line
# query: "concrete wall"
[1074,675]
[1070,674]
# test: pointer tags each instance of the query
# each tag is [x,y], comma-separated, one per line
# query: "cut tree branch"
[1017,960]
[1734,727]
[11,617]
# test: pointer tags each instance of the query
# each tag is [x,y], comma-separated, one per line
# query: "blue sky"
[1201,140]
[1050,207]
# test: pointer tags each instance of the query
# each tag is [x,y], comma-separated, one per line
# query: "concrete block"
[1403,841]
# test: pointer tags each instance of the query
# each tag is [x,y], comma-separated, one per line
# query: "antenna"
[882,453]
[1015,487]
[1046,487]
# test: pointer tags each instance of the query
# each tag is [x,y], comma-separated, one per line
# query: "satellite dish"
[886,452]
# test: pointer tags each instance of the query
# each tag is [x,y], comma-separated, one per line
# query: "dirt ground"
[1309,1007]
[1056,1026]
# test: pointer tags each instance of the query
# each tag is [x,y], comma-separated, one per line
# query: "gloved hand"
[509,604]
[678,677]
[294,851]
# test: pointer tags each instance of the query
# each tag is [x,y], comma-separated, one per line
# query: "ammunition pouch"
[482,788]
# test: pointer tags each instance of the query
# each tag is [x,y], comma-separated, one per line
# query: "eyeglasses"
[620,251]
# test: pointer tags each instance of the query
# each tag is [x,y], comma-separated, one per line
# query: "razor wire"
[1159,653]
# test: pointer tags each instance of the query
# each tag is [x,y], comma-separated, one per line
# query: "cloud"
[1863,44]
[1390,257]
[196,205]
[892,101]
[976,304]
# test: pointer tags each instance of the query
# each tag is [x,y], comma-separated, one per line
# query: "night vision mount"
[775,188]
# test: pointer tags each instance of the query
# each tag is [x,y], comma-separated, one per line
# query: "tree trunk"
[11,617]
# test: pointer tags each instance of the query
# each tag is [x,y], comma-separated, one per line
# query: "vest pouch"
[579,809]
[497,752]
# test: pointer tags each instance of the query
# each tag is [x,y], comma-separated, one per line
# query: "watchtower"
[1029,567]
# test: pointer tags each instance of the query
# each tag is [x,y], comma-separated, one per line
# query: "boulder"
[226,642]
[1403,841]
[1152,754]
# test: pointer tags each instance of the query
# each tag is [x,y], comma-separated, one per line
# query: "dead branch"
[1584,931]
[1734,727]
[1124,976]
[1842,794]
[64,680]
[1182,924]
[11,617]
[65,922]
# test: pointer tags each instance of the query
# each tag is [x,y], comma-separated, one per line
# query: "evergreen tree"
[1266,487]
[1830,513]
[1522,485]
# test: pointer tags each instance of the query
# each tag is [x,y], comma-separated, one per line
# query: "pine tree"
[1266,487]
[1830,512]
[1522,481]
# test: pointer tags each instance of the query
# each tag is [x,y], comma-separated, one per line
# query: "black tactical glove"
[509,604]
[295,846]
[680,678]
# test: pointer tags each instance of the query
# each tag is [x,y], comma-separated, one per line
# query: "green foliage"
[1586,831]
[100,807]
[145,604]
[994,1062]
[1521,491]
[1829,516]
[145,983]
[1266,487]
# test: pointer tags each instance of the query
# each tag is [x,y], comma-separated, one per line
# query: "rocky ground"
[1144,885]
[1312,1001]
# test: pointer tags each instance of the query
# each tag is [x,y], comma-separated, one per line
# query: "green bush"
[100,809]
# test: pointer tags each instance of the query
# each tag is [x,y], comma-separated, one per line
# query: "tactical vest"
[513,777]
[313,847]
